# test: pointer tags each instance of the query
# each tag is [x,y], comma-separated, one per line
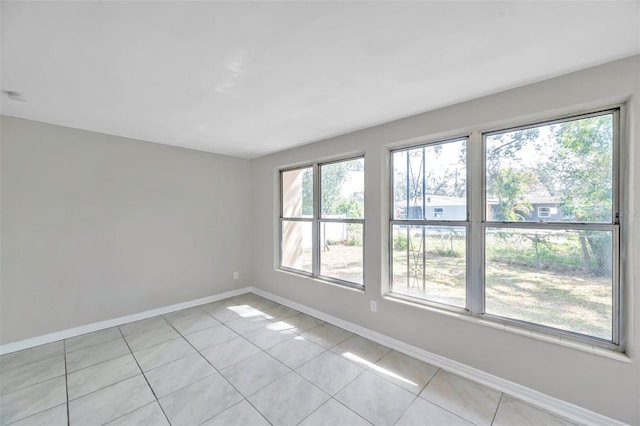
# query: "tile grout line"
[272,320]
[275,320]
[334,345]
[346,385]
[417,394]
[357,414]
[317,387]
[310,360]
[572,422]
[143,330]
[34,414]
[129,412]
[316,409]
[440,406]
[107,386]
[32,362]
[157,344]
[98,363]
[145,379]
[428,381]
[366,369]
[166,363]
[186,340]
[111,358]
[182,387]
[93,345]
[246,398]
[407,409]
[44,381]
[221,375]
[65,374]
[493,419]
[233,405]
[35,383]
[66,381]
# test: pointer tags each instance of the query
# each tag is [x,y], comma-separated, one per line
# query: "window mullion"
[475,196]
[424,186]
[315,233]
[408,188]
[424,216]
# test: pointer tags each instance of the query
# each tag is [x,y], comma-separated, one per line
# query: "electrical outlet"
[373,305]
[235,275]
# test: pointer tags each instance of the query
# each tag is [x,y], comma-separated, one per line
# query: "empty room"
[319,213]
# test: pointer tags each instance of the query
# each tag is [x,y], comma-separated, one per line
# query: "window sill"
[514,329]
[345,286]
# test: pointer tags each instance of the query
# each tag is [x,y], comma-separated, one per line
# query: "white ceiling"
[252,78]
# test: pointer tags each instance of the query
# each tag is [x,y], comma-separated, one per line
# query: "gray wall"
[600,384]
[95,227]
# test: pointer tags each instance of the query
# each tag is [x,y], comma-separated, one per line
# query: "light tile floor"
[241,361]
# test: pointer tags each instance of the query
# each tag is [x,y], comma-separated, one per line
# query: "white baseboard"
[554,405]
[101,325]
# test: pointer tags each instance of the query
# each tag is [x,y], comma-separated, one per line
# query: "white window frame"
[477,223]
[316,220]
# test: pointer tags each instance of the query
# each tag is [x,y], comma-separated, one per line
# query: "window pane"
[429,263]
[297,193]
[429,182]
[296,245]
[341,251]
[399,179]
[342,187]
[561,279]
[446,181]
[408,184]
[557,173]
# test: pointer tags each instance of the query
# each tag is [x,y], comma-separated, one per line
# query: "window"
[545,234]
[322,221]
[429,222]
[545,212]
[559,272]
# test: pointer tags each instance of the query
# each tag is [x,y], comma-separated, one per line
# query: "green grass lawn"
[563,298]
[567,300]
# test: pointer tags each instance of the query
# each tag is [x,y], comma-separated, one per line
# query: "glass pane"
[341,254]
[446,181]
[429,182]
[400,185]
[296,245]
[557,173]
[429,262]
[342,187]
[561,279]
[408,183]
[297,193]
